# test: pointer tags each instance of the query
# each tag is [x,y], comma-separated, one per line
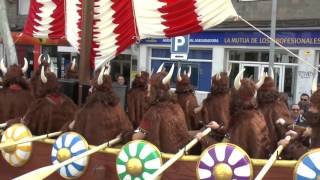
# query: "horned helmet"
[245,87]
[14,74]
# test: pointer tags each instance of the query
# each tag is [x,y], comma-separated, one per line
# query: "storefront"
[214,51]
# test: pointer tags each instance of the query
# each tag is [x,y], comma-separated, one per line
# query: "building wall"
[305,73]
[287,9]
[16,22]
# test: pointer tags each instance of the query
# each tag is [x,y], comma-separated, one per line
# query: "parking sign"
[180,47]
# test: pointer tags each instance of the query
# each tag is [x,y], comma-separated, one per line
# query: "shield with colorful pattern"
[224,161]
[138,160]
[16,155]
[68,145]
[308,166]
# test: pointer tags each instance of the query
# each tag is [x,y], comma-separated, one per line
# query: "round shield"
[68,145]
[16,155]
[224,161]
[308,166]
[138,160]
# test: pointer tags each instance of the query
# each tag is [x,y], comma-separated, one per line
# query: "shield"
[68,145]
[224,161]
[138,160]
[16,155]
[308,166]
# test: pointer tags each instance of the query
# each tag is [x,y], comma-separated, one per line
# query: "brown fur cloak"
[51,110]
[216,107]
[273,108]
[137,98]
[188,102]
[15,96]
[102,119]
[248,128]
[164,121]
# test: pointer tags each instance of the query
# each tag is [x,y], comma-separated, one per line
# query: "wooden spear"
[46,171]
[178,155]
[35,138]
[271,161]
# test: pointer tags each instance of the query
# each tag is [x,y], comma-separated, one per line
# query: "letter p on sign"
[179,41]
[180,47]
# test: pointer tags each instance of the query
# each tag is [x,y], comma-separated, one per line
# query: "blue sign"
[307,38]
[180,47]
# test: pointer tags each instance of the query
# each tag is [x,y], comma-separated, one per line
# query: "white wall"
[305,73]
[142,58]
[218,60]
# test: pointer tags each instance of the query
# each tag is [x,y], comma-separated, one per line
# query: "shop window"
[200,54]
[203,54]
[184,67]
[261,56]
[234,55]
[200,72]
[251,56]
[162,53]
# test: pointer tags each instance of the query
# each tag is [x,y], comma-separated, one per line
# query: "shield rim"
[301,159]
[227,144]
[146,142]
[87,147]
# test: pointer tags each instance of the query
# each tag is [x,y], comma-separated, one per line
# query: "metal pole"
[5,33]
[85,47]
[273,33]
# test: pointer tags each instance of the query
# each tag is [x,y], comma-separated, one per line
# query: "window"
[23,7]
[204,54]
[200,61]
[261,56]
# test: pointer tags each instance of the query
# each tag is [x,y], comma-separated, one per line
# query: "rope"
[273,40]
[19,37]
[137,37]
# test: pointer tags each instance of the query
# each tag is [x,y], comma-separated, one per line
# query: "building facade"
[231,44]
[234,44]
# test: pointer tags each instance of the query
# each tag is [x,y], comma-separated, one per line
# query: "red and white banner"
[113,29]
[74,22]
[119,23]
[168,18]
[153,19]
[46,19]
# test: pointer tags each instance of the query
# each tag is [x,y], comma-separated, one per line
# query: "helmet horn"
[73,64]
[261,81]
[3,67]
[43,76]
[237,80]
[178,74]
[189,72]
[160,68]
[100,78]
[25,65]
[166,80]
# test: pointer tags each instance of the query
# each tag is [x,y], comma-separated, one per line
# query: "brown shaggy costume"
[216,107]
[15,97]
[187,101]
[71,74]
[248,128]
[137,98]
[35,79]
[273,108]
[164,121]
[313,120]
[51,110]
[101,118]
